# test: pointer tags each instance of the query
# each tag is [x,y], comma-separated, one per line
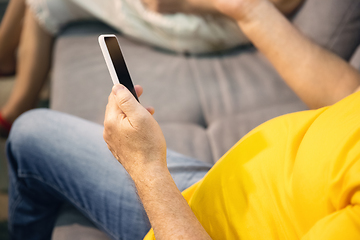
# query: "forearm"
[287,6]
[169,213]
[319,77]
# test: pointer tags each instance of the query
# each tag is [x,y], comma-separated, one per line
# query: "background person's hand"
[236,9]
[132,134]
[231,8]
[240,9]
[183,6]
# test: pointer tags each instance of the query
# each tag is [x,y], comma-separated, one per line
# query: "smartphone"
[115,62]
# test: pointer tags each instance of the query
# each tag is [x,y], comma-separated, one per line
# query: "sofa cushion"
[225,132]
[238,82]
[78,232]
[189,139]
[191,92]
[72,224]
[197,90]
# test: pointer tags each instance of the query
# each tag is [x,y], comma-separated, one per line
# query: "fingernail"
[117,88]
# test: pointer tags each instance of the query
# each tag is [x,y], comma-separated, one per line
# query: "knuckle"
[105,136]
[125,99]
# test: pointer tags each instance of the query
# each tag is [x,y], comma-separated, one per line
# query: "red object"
[5,124]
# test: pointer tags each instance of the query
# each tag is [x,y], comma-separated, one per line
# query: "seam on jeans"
[24,175]
[336,34]
[12,210]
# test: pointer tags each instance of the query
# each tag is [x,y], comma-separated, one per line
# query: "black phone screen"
[119,64]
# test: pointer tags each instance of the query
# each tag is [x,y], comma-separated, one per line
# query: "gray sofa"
[204,104]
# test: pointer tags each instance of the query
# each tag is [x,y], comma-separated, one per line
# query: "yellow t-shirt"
[294,177]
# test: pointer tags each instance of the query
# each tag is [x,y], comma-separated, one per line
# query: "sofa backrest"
[334,24]
[204,104]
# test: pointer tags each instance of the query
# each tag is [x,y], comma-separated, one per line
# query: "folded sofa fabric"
[183,33]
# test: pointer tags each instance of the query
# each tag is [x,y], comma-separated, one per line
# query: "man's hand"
[132,134]
[136,140]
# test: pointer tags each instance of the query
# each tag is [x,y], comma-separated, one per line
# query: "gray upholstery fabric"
[190,138]
[81,81]
[81,84]
[73,225]
[192,91]
[225,132]
[78,232]
[239,82]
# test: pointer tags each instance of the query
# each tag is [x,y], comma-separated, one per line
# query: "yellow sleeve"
[150,235]
[343,224]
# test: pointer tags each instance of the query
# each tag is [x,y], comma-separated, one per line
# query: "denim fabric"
[56,158]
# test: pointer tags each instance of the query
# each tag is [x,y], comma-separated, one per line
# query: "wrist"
[243,11]
[148,173]
[200,7]
[258,17]
[151,180]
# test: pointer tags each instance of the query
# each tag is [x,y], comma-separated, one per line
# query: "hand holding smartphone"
[115,62]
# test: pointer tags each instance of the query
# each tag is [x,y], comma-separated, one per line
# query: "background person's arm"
[317,76]
[136,140]
[287,6]
[203,6]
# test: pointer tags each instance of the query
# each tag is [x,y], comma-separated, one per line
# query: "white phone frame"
[107,57]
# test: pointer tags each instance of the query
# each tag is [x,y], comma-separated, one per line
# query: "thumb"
[125,100]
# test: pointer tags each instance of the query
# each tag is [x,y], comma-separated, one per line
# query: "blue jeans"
[56,158]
